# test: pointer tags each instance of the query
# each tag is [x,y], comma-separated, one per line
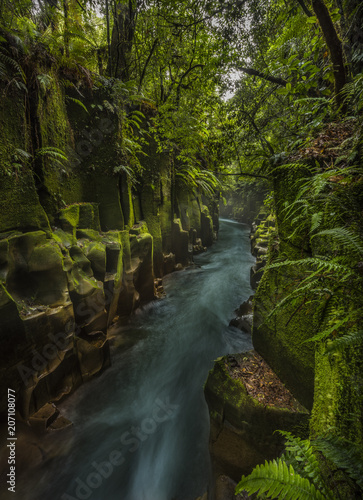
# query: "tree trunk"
[334,45]
[66,27]
[122,39]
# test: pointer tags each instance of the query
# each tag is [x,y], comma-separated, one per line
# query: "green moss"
[19,203]
[281,339]
[338,400]
[126,201]
[63,238]
[69,219]
[89,234]
[126,251]
[165,217]
[139,228]
[89,216]
[228,397]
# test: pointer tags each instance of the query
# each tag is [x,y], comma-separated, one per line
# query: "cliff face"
[80,244]
[320,284]
[307,320]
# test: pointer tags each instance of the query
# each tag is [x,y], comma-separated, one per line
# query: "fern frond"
[345,237]
[55,153]
[352,339]
[316,219]
[77,101]
[302,456]
[5,59]
[320,264]
[328,331]
[44,81]
[277,480]
[344,454]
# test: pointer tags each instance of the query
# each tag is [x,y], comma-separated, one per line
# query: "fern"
[344,454]
[316,219]
[301,455]
[277,480]
[55,153]
[5,61]
[345,238]
[44,81]
[22,154]
[328,331]
[202,180]
[320,265]
[351,339]
[77,101]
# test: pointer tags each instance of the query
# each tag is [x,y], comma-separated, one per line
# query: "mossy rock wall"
[80,246]
[60,292]
[242,429]
[330,384]
[19,204]
[281,339]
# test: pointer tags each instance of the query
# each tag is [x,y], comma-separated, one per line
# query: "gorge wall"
[82,243]
[307,313]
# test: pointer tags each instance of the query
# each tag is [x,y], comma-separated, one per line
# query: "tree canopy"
[291,66]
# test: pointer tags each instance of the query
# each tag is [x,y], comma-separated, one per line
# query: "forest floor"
[261,381]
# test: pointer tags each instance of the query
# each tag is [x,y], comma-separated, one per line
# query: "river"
[141,429]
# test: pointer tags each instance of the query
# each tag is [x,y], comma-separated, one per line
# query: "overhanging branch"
[241,174]
[260,74]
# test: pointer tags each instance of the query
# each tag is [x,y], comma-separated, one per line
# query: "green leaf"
[77,101]
[277,480]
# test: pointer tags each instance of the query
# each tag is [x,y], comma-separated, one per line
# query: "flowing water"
[141,429]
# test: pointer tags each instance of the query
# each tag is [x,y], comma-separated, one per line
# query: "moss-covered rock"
[242,429]
[206,227]
[19,203]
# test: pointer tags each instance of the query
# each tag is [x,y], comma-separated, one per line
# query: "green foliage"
[352,339]
[277,480]
[55,154]
[298,474]
[11,71]
[77,101]
[300,453]
[343,454]
[345,238]
[201,181]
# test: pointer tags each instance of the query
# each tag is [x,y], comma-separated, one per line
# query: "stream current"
[141,429]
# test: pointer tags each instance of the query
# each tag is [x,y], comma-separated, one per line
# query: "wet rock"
[93,354]
[224,489]
[243,323]
[242,432]
[169,263]
[206,230]
[180,243]
[245,307]
[255,277]
[48,418]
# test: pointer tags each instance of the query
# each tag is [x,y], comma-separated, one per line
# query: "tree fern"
[277,480]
